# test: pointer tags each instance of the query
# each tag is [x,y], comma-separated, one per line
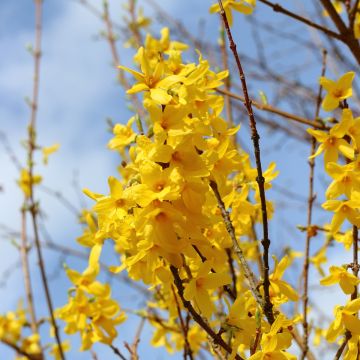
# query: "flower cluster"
[343,199]
[163,216]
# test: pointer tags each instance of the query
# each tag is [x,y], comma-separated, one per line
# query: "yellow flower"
[244,6]
[331,143]
[275,341]
[344,209]
[124,135]
[55,352]
[152,79]
[280,287]
[344,319]
[336,90]
[346,280]
[24,181]
[345,180]
[48,151]
[357,26]
[197,288]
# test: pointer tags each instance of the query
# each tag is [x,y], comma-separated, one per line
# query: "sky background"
[78,92]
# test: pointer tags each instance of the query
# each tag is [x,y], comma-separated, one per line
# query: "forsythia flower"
[336,90]
[24,181]
[48,151]
[197,288]
[346,280]
[244,6]
[333,142]
[344,209]
[275,342]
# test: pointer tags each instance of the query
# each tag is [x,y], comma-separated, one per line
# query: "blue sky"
[78,92]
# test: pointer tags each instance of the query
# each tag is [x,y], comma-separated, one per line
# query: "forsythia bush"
[182,214]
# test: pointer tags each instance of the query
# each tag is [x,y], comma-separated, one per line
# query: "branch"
[24,252]
[271,109]
[310,234]
[31,148]
[197,317]
[20,351]
[268,306]
[346,34]
[280,9]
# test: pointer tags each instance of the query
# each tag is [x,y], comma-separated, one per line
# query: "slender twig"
[346,34]
[355,264]
[256,341]
[280,9]
[239,253]
[343,345]
[232,271]
[133,26]
[297,337]
[33,207]
[352,14]
[24,252]
[117,352]
[271,109]
[227,81]
[187,347]
[268,306]
[133,348]
[110,36]
[217,339]
[309,234]
[20,351]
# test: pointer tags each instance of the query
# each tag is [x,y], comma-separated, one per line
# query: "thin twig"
[33,207]
[187,348]
[217,339]
[133,348]
[240,255]
[268,306]
[347,34]
[280,9]
[309,234]
[20,351]
[24,252]
[343,345]
[117,352]
[271,109]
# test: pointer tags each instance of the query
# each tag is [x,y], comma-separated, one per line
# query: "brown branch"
[268,306]
[20,351]
[227,81]
[346,34]
[187,347]
[117,352]
[33,207]
[271,109]
[343,345]
[133,348]
[216,338]
[296,336]
[24,251]
[352,14]
[280,9]
[310,234]
[232,271]
[355,263]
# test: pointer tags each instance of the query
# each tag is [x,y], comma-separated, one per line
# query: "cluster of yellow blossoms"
[163,214]
[343,138]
